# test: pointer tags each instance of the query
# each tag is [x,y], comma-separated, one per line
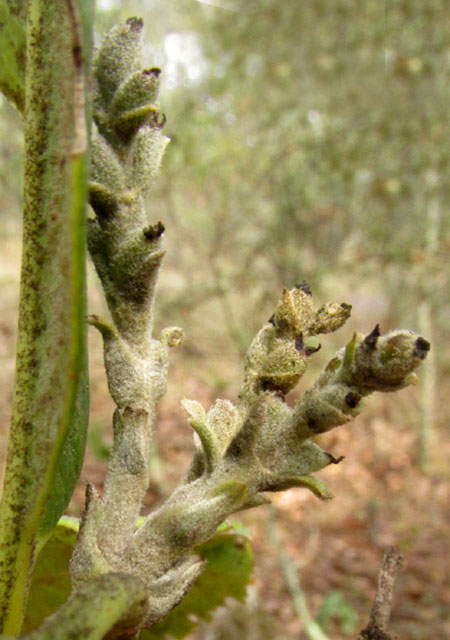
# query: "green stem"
[112,603]
[50,348]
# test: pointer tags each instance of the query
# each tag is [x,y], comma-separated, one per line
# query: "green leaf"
[50,584]
[109,601]
[229,563]
[70,459]
[199,422]
[12,52]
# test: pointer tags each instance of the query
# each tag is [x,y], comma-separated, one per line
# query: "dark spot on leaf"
[267,384]
[312,425]
[299,342]
[347,307]
[352,398]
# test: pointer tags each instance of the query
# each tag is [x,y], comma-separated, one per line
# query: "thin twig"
[381,610]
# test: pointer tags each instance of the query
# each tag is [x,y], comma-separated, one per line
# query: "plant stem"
[111,601]
[51,337]
[381,610]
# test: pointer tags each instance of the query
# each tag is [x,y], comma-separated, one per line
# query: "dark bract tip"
[422,347]
[135,24]
[423,344]
[154,231]
[304,286]
[334,460]
[372,339]
[154,71]
[310,350]
[156,123]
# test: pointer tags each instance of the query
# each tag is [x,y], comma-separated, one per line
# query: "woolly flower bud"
[118,56]
[387,363]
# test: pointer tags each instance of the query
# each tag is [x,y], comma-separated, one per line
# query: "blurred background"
[309,140]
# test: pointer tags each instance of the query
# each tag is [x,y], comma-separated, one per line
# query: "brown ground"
[381,499]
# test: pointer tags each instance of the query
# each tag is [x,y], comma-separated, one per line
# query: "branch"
[262,444]
[381,610]
[259,445]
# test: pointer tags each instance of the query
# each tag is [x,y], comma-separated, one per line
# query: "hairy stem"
[51,358]
[111,601]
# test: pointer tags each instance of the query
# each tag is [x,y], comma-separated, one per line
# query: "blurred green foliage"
[99,447]
[11,167]
[309,140]
[335,606]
